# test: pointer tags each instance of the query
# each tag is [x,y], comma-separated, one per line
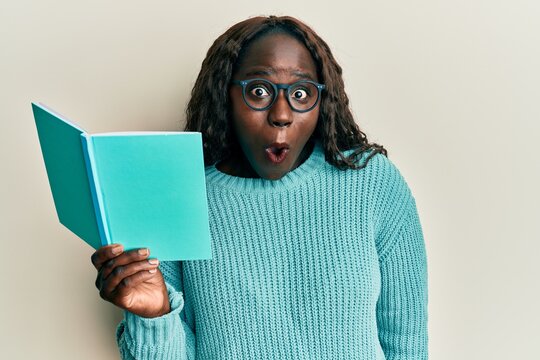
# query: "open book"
[139,189]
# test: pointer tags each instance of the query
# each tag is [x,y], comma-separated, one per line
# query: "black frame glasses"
[276,87]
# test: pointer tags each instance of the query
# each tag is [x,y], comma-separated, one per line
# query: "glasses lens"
[259,94]
[303,96]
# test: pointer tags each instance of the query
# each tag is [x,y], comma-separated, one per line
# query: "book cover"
[140,189]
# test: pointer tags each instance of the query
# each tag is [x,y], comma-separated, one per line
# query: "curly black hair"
[208,108]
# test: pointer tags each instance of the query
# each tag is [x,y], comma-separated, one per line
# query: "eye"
[259,91]
[303,92]
[300,94]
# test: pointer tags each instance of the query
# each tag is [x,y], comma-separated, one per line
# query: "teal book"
[138,189]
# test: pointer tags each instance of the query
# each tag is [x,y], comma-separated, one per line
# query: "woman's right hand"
[131,281]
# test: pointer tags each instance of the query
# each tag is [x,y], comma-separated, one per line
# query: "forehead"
[277,54]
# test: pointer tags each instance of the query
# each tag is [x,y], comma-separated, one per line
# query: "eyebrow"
[267,72]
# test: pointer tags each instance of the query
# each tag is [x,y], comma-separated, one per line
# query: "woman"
[318,251]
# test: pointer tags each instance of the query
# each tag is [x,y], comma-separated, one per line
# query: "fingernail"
[153,261]
[143,251]
[117,249]
[152,271]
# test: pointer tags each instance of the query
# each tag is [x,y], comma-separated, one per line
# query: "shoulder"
[393,201]
[387,182]
[384,190]
[383,182]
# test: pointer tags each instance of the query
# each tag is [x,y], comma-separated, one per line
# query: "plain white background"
[451,88]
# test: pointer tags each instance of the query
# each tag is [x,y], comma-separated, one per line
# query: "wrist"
[165,308]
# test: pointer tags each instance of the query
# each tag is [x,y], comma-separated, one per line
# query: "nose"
[280,114]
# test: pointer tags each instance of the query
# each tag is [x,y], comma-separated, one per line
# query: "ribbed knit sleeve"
[165,337]
[402,305]
[391,197]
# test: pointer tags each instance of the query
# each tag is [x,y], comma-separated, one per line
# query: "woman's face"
[274,140]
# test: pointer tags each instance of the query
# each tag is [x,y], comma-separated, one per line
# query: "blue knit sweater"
[321,264]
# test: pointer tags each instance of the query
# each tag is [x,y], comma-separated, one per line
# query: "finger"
[125,258]
[122,272]
[130,282]
[122,259]
[99,280]
[105,253]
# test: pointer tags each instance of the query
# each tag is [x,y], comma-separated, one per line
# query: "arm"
[165,337]
[402,305]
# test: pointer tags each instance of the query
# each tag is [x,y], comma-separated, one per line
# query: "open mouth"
[277,153]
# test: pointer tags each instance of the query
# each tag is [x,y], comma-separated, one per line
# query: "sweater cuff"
[146,337]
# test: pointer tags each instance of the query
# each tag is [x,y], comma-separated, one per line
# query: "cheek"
[238,117]
[247,124]
[310,123]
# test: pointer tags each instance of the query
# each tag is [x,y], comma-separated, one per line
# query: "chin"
[273,175]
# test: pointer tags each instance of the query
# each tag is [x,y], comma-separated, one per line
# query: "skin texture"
[282,59]
[132,281]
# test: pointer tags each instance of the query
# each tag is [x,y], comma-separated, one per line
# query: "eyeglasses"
[261,94]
